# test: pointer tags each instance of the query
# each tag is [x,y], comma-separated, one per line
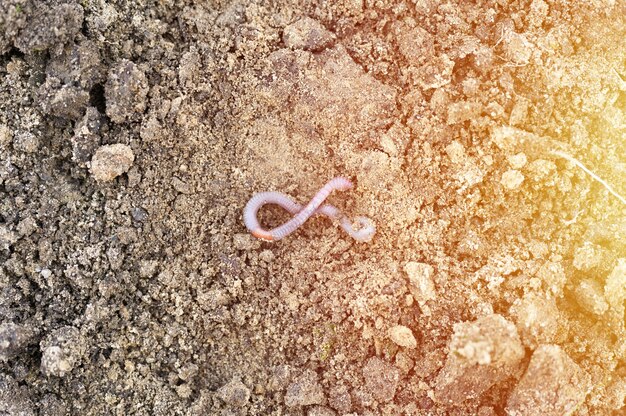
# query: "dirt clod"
[482,353]
[125,92]
[381,379]
[110,161]
[305,390]
[553,384]
[234,393]
[308,34]
[402,336]
[62,351]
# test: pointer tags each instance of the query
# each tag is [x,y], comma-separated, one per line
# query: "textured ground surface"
[133,133]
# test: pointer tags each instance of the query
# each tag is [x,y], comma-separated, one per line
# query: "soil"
[132,134]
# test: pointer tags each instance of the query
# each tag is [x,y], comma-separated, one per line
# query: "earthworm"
[364,233]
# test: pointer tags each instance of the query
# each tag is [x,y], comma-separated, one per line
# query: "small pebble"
[517,48]
[126,91]
[27,226]
[340,399]
[552,385]
[590,295]
[181,186]
[267,256]
[481,354]
[587,256]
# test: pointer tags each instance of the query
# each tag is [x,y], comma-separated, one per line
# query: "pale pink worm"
[301,214]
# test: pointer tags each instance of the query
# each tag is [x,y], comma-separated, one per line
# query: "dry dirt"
[133,133]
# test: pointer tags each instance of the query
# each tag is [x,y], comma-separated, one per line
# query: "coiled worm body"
[364,233]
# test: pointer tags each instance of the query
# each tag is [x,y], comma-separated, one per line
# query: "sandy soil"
[132,134]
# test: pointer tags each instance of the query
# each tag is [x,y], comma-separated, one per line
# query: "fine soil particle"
[132,134]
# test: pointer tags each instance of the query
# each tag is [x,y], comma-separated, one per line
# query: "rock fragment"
[80,65]
[381,379]
[587,257]
[305,390]
[517,161]
[125,92]
[436,73]
[234,393]
[481,354]
[517,48]
[415,44]
[308,34]
[552,385]
[26,141]
[402,336]
[110,161]
[62,351]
